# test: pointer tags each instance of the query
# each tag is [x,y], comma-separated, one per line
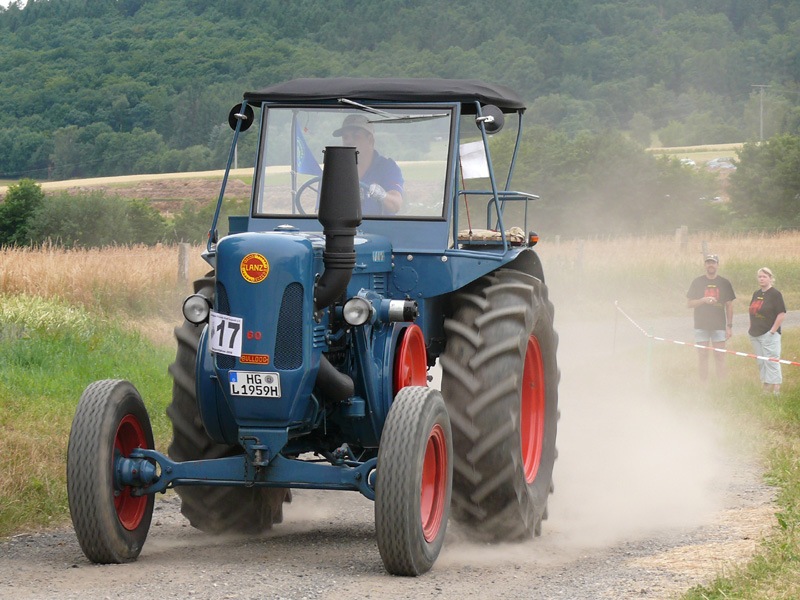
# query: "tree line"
[93,219]
[103,87]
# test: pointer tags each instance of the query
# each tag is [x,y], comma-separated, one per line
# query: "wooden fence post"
[682,236]
[183,263]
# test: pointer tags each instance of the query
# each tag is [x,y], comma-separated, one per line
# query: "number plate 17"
[225,334]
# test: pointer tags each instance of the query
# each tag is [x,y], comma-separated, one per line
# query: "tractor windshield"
[402,159]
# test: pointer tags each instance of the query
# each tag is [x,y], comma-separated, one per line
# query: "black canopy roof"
[398,90]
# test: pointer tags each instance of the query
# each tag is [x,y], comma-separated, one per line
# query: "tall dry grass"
[643,251]
[651,275]
[137,284]
[128,278]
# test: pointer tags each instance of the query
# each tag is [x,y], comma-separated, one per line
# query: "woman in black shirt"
[767,312]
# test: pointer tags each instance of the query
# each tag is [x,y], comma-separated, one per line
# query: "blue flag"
[306,163]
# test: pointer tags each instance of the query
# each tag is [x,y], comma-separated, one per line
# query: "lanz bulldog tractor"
[304,358]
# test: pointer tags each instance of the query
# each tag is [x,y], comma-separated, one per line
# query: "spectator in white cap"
[382,190]
[711,296]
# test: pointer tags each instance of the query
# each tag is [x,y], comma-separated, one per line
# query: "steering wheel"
[298,205]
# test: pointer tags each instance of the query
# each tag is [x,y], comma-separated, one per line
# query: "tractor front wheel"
[110,422]
[413,481]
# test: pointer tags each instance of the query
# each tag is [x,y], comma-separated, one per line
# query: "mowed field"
[700,154]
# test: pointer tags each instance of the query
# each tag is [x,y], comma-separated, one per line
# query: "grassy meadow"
[70,317]
[67,318]
[134,285]
[49,352]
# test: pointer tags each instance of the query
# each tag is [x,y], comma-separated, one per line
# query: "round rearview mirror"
[245,117]
[492,119]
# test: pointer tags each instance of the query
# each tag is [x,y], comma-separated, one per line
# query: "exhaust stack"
[340,215]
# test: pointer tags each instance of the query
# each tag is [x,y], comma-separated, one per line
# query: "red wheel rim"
[533,409]
[434,483]
[130,509]
[411,364]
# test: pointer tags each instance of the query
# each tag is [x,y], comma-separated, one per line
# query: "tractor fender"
[528,262]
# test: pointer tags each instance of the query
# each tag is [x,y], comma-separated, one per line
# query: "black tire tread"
[481,382]
[89,481]
[397,503]
[213,509]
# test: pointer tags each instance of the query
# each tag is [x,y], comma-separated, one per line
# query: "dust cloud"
[634,461]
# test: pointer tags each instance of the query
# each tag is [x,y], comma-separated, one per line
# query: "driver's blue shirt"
[385,172]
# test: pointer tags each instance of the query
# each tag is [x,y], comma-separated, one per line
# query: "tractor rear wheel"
[110,422]
[500,383]
[413,481]
[213,509]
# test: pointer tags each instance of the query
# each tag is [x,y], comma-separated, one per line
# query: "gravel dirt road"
[653,495]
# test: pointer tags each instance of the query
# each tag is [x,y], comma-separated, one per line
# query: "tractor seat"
[515,235]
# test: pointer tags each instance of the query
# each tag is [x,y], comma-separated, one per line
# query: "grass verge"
[775,571]
[49,352]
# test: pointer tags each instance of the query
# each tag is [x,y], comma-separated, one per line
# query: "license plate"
[260,385]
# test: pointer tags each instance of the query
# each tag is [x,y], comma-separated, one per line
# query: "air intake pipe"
[340,215]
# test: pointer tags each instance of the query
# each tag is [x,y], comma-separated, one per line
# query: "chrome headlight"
[196,309]
[357,311]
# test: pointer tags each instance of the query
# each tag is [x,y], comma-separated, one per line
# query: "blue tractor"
[379,250]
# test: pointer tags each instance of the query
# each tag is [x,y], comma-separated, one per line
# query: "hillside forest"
[111,87]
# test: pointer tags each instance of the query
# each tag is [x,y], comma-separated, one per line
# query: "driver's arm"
[390,200]
[393,202]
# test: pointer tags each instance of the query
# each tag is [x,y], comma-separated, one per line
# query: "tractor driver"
[380,174]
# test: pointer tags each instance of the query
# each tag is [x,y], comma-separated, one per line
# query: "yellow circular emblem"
[254,268]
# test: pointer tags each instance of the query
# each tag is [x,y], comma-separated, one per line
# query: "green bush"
[147,224]
[193,222]
[94,219]
[22,201]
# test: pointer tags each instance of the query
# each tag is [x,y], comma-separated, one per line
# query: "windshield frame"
[449,111]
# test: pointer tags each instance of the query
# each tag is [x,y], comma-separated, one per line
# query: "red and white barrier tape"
[660,339]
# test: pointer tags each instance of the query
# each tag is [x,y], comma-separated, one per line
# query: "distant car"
[688,162]
[723,162]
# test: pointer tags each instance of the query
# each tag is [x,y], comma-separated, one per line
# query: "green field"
[49,352]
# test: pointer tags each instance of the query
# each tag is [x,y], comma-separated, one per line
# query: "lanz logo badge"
[254,268]
[378,256]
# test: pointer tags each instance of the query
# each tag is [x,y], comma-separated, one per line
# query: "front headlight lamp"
[357,311]
[196,309]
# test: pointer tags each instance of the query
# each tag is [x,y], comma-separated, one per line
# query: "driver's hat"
[354,122]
